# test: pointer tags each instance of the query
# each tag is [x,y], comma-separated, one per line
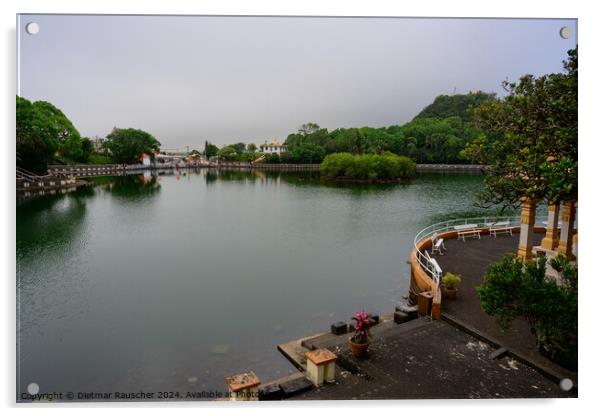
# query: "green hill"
[454,105]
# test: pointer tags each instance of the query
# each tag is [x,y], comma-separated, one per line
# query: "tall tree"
[42,131]
[536,156]
[127,145]
[239,147]
[227,153]
[308,128]
[87,149]
[210,150]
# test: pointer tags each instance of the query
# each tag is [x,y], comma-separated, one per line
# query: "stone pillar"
[527,223]
[565,245]
[243,387]
[424,303]
[320,366]
[550,241]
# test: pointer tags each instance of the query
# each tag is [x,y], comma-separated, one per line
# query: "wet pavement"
[425,359]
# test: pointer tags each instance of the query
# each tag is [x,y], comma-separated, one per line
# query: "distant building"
[145,159]
[272,148]
[98,144]
[196,158]
[166,159]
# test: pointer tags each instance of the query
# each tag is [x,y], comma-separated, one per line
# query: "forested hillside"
[436,135]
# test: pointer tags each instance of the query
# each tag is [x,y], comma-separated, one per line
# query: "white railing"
[483,223]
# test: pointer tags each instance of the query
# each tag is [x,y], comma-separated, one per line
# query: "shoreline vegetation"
[369,168]
[439,134]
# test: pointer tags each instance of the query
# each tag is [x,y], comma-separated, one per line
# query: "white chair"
[437,272]
[437,245]
[501,227]
[467,230]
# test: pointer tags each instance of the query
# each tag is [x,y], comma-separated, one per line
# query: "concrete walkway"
[470,259]
[425,359]
[465,355]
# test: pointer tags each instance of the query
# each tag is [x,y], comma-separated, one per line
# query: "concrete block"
[339,328]
[270,392]
[401,317]
[425,300]
[404,307]
[292,387]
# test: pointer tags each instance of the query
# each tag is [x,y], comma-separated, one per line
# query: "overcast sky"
[229,79]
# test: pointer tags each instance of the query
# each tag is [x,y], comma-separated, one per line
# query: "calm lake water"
[174,284]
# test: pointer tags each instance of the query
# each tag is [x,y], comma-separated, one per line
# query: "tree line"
[438,134]
[44,135]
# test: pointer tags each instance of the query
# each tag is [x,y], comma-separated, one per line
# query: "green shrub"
[367,166]
[97,159]
[451,280]
[513,288]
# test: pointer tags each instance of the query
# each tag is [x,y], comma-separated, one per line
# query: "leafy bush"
[514,288]
[367,166]
[451,280]
[97,159]
[273,158]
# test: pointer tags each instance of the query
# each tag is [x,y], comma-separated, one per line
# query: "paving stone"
[270,392]
[471,259]
[425,359]
[498,353]
[296,386]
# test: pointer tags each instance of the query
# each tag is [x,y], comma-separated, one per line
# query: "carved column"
[565,245]
[527,226]
[550,241]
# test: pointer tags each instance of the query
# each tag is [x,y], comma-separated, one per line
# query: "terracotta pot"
[450,293]
[359,350]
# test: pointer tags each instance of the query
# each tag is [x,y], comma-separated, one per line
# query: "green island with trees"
[385,167]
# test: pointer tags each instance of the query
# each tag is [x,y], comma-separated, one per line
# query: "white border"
[590,137]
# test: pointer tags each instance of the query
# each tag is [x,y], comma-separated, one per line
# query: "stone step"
[403,306]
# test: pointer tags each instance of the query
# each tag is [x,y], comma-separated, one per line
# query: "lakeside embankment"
[69,176]
[502,365]
[89,170]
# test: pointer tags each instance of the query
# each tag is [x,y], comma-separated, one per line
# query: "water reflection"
[135,187]
[53,221]
[150,281]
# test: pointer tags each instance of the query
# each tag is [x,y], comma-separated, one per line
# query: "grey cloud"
[187,79]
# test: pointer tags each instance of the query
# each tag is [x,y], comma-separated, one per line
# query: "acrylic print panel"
[204,200]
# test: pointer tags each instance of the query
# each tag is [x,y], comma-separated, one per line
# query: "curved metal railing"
[481,223]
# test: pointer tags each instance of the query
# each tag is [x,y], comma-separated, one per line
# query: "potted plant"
[450,284]
[360,341]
